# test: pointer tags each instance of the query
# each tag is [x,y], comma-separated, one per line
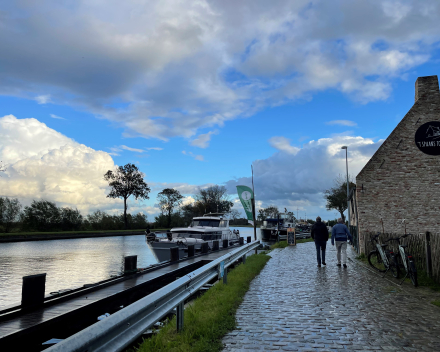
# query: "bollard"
[32,291]
[428,254]
[241,241]
[130,264]
[204,247]
[215,245]
[190,250]
[174,254]
[225,243]
[249,239]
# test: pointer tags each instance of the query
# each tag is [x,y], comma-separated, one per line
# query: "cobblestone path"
[295,306]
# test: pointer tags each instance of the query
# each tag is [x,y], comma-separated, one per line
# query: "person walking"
[319,234]
[341,235]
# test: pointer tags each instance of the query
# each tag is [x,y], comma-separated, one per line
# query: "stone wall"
[400,181]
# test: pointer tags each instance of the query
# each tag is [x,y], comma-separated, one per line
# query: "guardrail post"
[225,243]
[215,245]
[190,250]
[32,291]
[179,316]
[243,259]
[241,241]
[249,239]
[225,276]
[174,254]
[130,264]
[428,254]
[204,247]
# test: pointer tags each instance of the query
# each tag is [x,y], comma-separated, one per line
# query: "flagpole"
[253,205]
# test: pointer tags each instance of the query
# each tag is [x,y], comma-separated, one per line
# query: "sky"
[195,92]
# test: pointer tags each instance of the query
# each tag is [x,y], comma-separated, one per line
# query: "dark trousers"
[320,248]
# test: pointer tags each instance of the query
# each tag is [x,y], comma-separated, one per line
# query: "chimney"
[426,85]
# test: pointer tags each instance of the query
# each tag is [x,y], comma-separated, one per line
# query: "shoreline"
[64,236]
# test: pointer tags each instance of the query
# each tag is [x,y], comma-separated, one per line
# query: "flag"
[246,195]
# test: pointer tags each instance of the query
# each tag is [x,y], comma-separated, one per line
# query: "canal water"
[71,263]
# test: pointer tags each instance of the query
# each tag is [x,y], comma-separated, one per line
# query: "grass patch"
[211,316]
[436,302]
[425,281]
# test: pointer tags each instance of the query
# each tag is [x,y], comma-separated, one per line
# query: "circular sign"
[427,138]
[246,195]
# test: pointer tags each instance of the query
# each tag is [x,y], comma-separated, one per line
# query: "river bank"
[44,236]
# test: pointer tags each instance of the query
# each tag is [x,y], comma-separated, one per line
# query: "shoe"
[345,265]
[339,264]
[323,263]
[319,265]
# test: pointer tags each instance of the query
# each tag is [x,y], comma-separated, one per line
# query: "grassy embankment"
[211,316]
[68,232]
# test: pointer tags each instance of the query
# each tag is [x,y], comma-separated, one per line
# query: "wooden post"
[215,245]
[249,239]
[190,250]
[428,254]
[174,254]
[205,247]
[225,243]
[241,241]
[130,264]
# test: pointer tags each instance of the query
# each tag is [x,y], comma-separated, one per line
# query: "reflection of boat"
[274,227]
[205,228]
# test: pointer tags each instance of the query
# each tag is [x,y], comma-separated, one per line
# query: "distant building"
[402,179]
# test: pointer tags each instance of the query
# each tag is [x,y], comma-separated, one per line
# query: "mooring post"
[225,243]
[241,241]
[174,254]
[249,239]
[190,250]
[215,245]
[130,264]
[32,291]
[428,254]
[205,247]
[179,317]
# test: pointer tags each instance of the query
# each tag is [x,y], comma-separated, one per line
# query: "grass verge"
[211,316]
[436,303]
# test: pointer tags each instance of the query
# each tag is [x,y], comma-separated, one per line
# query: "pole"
[348,189]
[253,206]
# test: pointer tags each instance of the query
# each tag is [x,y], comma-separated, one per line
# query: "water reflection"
[71,263]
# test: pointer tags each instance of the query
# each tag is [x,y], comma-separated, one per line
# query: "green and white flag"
[246,195]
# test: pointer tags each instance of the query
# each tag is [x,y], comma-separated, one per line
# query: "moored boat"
[274,229]
[206,228]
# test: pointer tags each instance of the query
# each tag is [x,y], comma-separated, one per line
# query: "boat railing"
[121,329]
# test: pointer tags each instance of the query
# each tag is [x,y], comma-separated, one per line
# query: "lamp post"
[348,187]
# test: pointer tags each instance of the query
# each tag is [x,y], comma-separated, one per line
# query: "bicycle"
[383,259]
[407,260]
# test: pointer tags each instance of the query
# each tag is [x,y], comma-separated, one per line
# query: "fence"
[354,233]
[417,247]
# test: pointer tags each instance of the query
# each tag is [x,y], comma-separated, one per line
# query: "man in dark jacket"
[341,235]
[320,235]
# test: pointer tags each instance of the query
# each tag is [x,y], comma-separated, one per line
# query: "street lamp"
[348,188]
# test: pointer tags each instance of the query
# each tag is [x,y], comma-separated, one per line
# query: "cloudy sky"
[195,92]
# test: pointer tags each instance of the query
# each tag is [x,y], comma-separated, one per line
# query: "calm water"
[70,263]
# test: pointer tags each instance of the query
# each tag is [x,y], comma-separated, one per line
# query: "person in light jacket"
[341,235]
[319,234]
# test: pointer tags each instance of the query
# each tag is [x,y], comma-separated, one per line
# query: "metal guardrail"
[120,330]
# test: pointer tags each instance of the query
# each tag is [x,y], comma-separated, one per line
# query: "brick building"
[402,179]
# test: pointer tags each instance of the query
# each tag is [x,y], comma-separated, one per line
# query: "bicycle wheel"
[394,265]
[413,273]
[375,261]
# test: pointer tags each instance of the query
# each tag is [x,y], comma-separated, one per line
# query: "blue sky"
[195,93]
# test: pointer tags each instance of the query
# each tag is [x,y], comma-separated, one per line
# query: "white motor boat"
[206,228]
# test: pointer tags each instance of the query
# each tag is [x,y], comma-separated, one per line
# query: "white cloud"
[283,144]
[197,157]
[154,148]
[342,123]
[132,149]
[43,163]
[57,117]
[43,99]
[179,67]
[298,180]
[202,141]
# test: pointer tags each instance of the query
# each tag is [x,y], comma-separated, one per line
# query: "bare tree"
[126,181]
[169,199]
[337,195]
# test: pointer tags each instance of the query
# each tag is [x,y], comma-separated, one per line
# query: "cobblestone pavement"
[295,306]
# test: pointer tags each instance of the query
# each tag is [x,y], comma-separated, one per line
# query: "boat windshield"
[207,222]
